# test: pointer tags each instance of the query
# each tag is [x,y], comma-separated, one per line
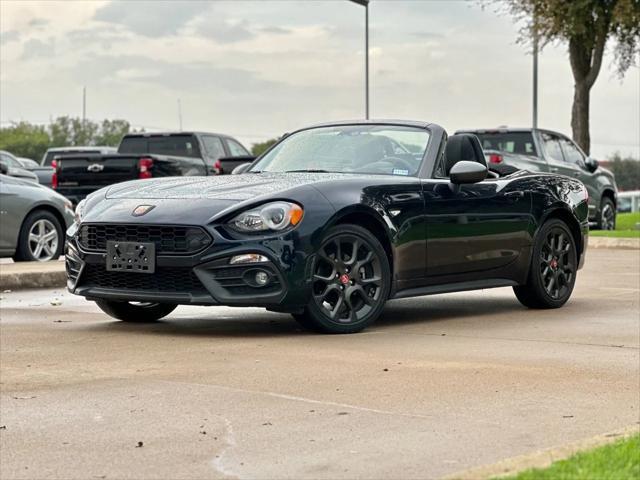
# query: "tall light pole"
[535,71]
[84,106]
[365,4]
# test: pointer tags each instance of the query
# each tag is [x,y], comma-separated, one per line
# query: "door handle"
[553,169]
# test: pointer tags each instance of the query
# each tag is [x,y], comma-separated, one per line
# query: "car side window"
[552,146]
[236,149]
[213,147]
[571,153]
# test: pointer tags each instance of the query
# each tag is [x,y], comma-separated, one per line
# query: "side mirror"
[467,172]
[243,167]
[4,169]
[591,164]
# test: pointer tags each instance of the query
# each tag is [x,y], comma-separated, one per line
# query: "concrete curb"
[543,458]
[609,242]
[19,276]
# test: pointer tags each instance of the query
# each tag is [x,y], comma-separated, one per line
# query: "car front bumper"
[203,278]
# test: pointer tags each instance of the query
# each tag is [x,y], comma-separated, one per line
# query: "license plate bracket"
[133,257]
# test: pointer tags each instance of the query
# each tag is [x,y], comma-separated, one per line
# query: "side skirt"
[455,287]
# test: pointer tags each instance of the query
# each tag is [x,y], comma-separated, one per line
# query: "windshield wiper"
[311,170]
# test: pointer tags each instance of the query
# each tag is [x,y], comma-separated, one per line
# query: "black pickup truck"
[147,155]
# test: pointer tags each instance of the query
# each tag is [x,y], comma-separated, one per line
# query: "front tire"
[136,312]
[552,273]
[607,219]
[350,284]
[40,238]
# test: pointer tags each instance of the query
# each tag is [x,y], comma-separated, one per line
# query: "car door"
[574,157]
[552,145]
[479,227]
[13,207]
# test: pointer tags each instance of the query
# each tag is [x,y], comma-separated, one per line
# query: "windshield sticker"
[400,171]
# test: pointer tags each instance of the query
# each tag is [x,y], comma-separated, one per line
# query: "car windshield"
[375,149]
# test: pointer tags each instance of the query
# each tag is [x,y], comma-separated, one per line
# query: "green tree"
[61,132]
[586,26]
[111,132]
[25,140]
[626,170]
[260,148]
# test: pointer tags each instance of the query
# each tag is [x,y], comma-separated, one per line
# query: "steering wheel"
[399,163]
[383,166]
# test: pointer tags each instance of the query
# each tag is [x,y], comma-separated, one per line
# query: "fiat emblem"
[344,279]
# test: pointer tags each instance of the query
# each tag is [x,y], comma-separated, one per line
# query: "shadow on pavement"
[416,311]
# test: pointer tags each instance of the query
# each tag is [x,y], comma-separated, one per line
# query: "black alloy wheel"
[350,282]
[556,266]
[553,269]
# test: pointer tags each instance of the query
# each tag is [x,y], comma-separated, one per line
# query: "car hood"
[200,200]
[235,188]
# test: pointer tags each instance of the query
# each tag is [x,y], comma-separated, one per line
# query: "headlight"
[79,213]
[273,216]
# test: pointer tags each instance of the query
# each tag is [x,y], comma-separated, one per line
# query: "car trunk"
[95,171]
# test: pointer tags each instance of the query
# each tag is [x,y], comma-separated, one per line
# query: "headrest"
[463,146]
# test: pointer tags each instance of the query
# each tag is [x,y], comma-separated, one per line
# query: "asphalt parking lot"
[441,384]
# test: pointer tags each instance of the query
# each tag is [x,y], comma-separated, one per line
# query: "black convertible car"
[329,224]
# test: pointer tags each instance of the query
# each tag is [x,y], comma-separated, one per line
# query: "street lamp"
[365,4]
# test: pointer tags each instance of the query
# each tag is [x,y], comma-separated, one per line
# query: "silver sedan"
[33,219]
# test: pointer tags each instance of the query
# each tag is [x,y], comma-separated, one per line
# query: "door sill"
[455,287]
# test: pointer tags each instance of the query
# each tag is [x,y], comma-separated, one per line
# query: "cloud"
[427,35]
[276,30]
[103,36]
[38,22]
[34,49]
[224,31]
[151,19]
[9,36]
[187,77]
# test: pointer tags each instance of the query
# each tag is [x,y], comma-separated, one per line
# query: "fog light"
[248,258]
[262,278]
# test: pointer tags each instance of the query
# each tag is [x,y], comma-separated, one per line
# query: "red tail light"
[217,167]
[145,165]
[54,177]
[495,158]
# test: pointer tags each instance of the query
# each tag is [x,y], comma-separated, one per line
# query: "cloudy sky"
[256,69]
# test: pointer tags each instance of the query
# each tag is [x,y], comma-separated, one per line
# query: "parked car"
[15,168]
[538,150]
[52,153]
[147,155]
[33,219]
[328,225]
[44,174]
[629,201]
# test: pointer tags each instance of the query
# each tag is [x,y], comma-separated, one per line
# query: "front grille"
[165,279]
[175,240]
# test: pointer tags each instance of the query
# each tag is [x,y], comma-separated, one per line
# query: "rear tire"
[350,284]
[552,273]
[607,215]
[143,312]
